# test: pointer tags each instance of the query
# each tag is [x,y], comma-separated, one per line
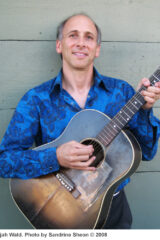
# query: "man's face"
[79,43]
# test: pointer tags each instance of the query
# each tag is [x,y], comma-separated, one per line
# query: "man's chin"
[81,66]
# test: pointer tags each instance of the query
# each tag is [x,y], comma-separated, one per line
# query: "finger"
[157,84]
[155,90]
[145,82]
[76,152]
[150,94]
[83,164]
[80,145]
[149,100]
[81,158]
[84,151]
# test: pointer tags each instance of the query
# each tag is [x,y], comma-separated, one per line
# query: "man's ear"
[98,51]
[58,47]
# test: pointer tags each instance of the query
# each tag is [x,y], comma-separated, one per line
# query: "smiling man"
[78,46]
[45,111]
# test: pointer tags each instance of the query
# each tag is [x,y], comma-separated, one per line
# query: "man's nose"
[81,41]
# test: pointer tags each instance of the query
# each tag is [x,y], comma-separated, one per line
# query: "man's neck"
[77,80]
[78,83]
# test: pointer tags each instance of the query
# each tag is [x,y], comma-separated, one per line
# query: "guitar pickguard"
[90,184]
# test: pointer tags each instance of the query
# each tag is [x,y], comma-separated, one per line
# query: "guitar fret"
[109,135]
[100,138]
[115,126]
[125,114]
[110,131]
[114,129]
[156,78]
[103,136]
[139,101]
[140,98]
[116,119]
[107,130]
[129,109]
[136,107]
[134,104]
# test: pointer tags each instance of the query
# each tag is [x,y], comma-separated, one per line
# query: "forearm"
[27,163]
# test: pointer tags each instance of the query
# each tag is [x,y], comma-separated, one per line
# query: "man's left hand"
[151,94]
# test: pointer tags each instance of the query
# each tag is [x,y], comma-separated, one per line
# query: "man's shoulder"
[42,88]
[112,82]
[38,93]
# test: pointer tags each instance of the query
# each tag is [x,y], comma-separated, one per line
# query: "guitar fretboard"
[120,120]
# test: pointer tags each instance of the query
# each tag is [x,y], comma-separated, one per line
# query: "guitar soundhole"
[98,151]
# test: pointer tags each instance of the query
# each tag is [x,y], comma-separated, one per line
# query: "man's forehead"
[78,23]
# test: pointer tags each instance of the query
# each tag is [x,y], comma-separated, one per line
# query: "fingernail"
[146,82]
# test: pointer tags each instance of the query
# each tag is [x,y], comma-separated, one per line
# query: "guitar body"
[48,201]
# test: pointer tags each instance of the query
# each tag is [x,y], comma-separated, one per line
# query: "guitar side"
[48,204]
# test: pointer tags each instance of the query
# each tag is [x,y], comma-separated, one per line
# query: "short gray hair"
[61,26]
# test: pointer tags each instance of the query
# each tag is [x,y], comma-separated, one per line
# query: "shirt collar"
[99,80]
[56,83]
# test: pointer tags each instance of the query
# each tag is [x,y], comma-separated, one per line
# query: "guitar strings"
[107,134]
[130,104]
[97,148]
[108,131]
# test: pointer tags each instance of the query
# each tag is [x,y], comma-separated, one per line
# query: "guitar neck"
[120,120]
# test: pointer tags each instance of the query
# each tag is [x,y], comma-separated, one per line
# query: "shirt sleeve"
[146,128]
[17,159]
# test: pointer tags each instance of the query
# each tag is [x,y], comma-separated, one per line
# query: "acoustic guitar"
[77,199]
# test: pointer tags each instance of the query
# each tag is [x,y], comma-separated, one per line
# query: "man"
[44,112]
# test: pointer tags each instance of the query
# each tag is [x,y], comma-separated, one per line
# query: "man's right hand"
[76,155]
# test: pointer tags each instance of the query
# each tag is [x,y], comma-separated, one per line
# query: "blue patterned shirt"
[43,113]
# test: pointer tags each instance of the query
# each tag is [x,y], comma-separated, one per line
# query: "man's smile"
[80,54]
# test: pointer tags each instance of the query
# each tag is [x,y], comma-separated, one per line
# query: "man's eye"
[89,37]
[72,36]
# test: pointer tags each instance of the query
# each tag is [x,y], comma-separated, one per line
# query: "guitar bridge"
[68,184]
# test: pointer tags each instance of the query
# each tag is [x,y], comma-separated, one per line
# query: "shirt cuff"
[48,161]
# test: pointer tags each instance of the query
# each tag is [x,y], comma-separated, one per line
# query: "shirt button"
[50,168]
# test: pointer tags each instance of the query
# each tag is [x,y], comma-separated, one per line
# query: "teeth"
[79,54]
